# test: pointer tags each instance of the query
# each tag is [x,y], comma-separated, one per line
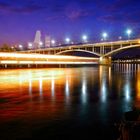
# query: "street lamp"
[67,40]
[53,42]
[84,37]
[20,46]
[104,35]
[40,43]
[30,45]
[129,32]
[120,37]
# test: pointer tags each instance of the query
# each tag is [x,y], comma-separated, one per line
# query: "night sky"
[19,19]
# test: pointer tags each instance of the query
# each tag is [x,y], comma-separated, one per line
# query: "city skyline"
[67,19]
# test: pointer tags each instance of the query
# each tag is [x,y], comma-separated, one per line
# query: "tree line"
[7,48]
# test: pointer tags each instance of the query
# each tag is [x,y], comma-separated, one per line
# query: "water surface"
[71,103]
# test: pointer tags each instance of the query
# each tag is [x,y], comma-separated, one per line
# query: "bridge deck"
[98,49]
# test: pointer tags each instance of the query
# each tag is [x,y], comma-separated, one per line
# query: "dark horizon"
[61,19]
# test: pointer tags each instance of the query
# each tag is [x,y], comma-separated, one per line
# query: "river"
[70,103]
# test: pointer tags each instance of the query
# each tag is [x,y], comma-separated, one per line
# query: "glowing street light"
[40,43]
[20,46]
[30,45]
[120,37]
[53,42]
[129,32]
[67,40]
[104,35]
[84,37]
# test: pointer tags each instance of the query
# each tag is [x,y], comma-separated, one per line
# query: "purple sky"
[19,19]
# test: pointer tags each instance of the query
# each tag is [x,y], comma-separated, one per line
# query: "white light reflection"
[103,86]
[103,91]
[40,88]
[127,91]
[110,78]
[67,91]
[84,91]
[53,87]
[30,87]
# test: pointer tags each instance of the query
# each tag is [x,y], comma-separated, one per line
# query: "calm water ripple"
[57,102]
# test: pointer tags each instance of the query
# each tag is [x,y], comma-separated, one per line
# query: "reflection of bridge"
[102,50]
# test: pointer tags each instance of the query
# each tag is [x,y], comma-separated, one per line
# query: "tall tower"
[47,41]
[37,40]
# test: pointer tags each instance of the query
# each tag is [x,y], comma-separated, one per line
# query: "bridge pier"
[5,66]
[105,60]
[29,65]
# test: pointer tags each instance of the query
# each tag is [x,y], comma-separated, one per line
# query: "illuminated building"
[37,40]
[47,41]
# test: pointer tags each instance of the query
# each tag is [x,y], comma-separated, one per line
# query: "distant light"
[53,42]
[120,37]
[67,40]
[30,44]
[129,32]
[105,35]
[40,43]
[84,37]
[20,46]
[101,58]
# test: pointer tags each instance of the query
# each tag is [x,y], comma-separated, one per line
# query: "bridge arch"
[77,50]
[120,49]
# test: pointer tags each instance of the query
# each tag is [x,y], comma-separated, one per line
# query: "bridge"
[103,50]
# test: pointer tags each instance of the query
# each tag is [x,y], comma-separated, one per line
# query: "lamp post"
[67,40]
[40,44]
[84,38]
[104,35]
[20,46]
[53,42]
[30,45]
[129,32]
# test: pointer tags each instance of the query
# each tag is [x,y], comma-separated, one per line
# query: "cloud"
[120,5]
[73,15]
[121,11]
[27,9]
[77,14]
[122,17]
[4,5]
[53,18]
[11,8]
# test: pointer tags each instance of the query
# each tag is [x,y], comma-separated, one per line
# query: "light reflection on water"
[56,92]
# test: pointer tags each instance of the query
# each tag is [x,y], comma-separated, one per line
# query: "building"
[37,41]
[47,41]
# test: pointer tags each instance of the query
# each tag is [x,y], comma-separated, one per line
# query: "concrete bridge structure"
[103,50]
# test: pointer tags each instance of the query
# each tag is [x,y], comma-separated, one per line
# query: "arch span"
[93,53]
[120,49]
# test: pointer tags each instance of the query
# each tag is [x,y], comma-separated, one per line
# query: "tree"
[6,48]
